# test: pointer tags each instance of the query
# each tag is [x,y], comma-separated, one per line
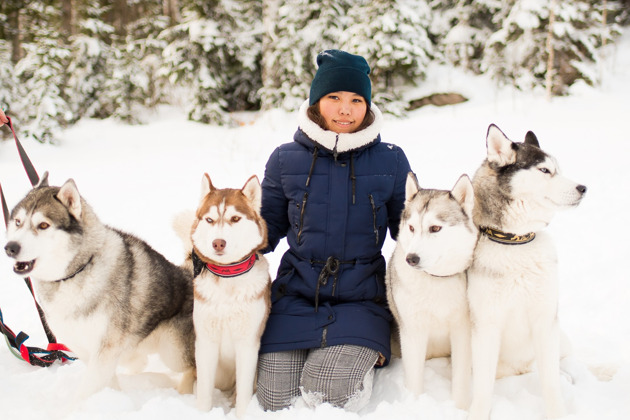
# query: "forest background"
[64,60]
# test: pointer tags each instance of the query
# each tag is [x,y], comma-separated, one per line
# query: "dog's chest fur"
[528,269]
[235,304]
[515,286]
[435,304]
[82,334]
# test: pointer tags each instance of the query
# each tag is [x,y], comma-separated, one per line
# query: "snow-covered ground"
[138,177]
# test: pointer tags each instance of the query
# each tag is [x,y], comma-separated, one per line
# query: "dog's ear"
[69,196]
[411,187]
[464,193]
[530,138]
[253,192]
[206,185]
[43,181]
[500,149]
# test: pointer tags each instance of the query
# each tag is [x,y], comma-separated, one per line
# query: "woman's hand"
[3,118]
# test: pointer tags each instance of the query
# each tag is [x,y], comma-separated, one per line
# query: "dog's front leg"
[100,373]
[461,363]
[207,359]
[413,346]
[546,336]
[246,362]
[485,345]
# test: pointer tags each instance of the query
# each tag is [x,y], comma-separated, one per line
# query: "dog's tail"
[182,224]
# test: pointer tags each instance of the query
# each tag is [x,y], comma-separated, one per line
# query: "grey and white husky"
[426,282]
[106,295]
[512,283]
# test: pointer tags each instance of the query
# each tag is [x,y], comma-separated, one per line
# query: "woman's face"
[342,111]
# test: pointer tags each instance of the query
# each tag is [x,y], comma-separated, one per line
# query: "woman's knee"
[339,375]
[278,378]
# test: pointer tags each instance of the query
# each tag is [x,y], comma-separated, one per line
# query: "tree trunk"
[68,18]
[120,15]
[13,19]
[550,51]
[605,22]
[171,10]
[269,14]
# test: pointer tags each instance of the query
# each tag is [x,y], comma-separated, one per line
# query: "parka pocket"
[279,287]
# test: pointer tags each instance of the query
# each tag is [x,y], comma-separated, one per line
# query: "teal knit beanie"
[340,71]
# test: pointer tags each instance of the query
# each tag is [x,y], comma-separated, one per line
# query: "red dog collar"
[233,270]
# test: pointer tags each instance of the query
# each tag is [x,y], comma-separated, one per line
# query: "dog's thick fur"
[426,282]
[229,312]
[106,295]
[513,288]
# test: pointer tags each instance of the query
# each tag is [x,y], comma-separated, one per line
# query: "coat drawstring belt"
[331,268]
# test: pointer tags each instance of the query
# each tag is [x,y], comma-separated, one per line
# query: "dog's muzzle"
[20,267]
[12,249]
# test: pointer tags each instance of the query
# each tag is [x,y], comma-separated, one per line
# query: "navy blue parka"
[333,196]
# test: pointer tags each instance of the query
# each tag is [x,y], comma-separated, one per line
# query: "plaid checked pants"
[340,375]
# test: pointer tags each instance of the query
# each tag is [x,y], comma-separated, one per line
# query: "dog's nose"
[413,259]
[581,189]
[12,249]
[218,244]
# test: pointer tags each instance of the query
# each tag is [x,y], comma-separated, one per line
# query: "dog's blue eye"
[209,220]
[18,222]
[545,171]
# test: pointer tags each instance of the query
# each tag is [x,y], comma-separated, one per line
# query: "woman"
[333,192]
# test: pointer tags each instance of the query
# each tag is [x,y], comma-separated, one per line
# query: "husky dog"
[426,282]
[232,290]
[107,295]
[512,283]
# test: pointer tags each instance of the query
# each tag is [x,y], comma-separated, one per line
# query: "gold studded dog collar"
[498,236]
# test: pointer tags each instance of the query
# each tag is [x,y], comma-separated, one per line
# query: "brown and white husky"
[231,289]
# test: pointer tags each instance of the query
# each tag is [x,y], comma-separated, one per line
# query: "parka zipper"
[299,234]
[375,227]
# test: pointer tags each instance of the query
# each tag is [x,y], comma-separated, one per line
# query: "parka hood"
[342,142]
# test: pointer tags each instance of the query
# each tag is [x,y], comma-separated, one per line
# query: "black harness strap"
[33,355]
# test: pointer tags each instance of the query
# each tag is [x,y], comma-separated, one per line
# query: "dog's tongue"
[23,267]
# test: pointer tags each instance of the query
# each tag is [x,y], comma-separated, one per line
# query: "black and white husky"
[512,283]
[107,295]
[426,282]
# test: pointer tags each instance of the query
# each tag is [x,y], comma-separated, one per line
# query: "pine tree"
[301,29]
[517,53]
[7,81]
[392,36]
[215,54]
[136,82]
[241,24]
[462,27]
[41,76]
[89,67]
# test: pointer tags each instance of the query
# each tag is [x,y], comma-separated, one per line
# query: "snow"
[138,177]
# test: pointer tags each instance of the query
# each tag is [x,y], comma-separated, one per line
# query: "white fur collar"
[347,141]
